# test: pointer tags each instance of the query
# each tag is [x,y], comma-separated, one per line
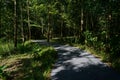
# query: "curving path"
[75,64]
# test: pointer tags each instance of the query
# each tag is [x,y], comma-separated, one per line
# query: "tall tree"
[0,17]
[21,22]
[81,26]
[28,14]
[48,30]
[15,26]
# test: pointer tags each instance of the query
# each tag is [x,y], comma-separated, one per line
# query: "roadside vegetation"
[31,61]
[106,58]
[96,49]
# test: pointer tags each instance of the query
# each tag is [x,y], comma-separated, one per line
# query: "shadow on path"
[75,64]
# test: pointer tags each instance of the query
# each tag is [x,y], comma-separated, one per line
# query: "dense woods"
[94,23]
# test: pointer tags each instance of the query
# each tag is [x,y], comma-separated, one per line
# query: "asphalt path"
[76,64]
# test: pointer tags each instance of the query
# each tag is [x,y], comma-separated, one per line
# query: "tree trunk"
[109,18]
[92,23]
[86,28]
[61,30]
[81,25]
[48,31]
[21,22]
[15,26]
[0,20]
[29,29]
[42,26]
[81,20]
[108,33]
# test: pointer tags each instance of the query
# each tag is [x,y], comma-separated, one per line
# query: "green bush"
[28,47]
[6,48]
[116,64]
[90,39]
[48,53]
[3,74]
[45,54]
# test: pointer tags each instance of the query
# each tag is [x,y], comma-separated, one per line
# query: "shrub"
[28,47]
[45,55]
[6,48]
[3,74]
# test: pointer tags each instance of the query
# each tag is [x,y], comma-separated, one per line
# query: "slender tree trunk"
[86,22]
[108,33]
[0,18]
[109,18]
[29,29]
[21,22]
[42,26]
[48,31]
[92,23]
[0,26]
[86,27]
[74,30]
[15,26]
[81,25]
[61,29]
[81,20]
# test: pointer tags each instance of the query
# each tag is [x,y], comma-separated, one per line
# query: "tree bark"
[21,22]
[29,29]
[0,19]
[81,20]
[15,26]
[81,25]
[82,15]
[61,30]
[92,23]
[48,31]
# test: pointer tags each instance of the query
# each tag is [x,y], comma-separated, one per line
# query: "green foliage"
[3,74]
[27,43]
[116,64]
[90,39]
[6,48]
[28,47]
[42,59]
[46,55]
[29,66]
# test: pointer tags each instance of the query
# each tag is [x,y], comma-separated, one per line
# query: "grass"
[6,48]
[24,65]
[106,58]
